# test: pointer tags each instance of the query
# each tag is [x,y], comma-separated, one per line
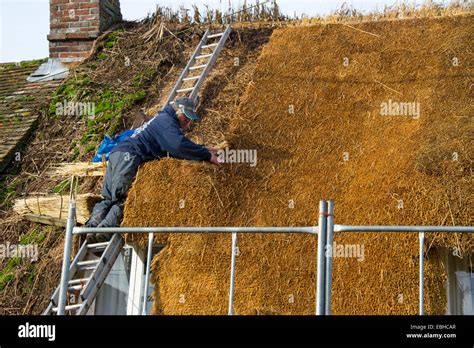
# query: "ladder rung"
[204,56]
[78,281]
[68,308]
[98,245]
[198,67]
[214,35]
[211,45]
[87,263]
[192,78]
[185,90]
[88,268]
[75,287]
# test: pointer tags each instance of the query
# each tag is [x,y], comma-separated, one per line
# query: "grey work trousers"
[119,176]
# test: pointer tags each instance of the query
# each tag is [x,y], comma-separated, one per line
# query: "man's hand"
[214,159]
[213,150]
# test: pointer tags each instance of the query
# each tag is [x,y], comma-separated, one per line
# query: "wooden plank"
[45,220]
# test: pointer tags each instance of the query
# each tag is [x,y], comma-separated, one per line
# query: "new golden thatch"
[379,170]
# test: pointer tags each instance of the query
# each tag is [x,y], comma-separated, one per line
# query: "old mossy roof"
[19,100]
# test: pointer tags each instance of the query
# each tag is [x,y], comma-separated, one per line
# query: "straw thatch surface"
[301,159]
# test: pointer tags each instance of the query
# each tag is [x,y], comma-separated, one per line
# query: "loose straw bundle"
[78,169]
[56,206]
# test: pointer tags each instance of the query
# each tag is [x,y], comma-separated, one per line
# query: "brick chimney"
[75,24]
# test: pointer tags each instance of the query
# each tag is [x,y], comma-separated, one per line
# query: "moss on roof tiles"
[23,64]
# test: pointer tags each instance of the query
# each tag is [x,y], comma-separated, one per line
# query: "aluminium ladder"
[199,65]
[87,275]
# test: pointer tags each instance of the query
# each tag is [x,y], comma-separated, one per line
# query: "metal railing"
[325,234]
[327,210]
[71,230]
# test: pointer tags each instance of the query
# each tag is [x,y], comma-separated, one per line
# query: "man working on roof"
[162,136]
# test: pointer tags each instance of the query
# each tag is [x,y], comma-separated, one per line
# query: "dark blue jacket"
[161,136]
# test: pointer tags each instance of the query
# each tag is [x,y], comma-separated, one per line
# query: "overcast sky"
[24,24]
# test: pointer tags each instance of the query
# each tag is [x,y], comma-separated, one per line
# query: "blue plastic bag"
[109,143]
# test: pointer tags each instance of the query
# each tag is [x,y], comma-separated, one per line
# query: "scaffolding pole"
[453,229]
[67,257]
[321,259]
[232,274]
[83,230]
[147,273]
[329,254]
[421,236]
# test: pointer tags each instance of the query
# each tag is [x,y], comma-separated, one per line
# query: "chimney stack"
[75,24]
